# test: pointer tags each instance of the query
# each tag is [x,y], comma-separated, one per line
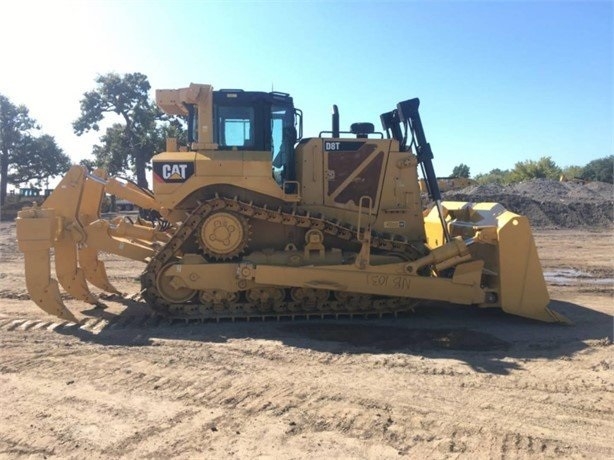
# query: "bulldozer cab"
[251,121]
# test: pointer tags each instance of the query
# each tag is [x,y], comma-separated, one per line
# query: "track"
[265,302]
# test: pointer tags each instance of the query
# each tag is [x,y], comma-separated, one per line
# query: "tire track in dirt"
[227,378]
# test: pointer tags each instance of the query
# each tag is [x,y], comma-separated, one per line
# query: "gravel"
[549,203]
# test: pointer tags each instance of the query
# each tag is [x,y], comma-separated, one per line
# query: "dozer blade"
[523,288]
[503,240]
[35,234]
[89,211]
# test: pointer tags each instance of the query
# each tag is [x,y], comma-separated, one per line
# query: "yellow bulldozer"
[251,219]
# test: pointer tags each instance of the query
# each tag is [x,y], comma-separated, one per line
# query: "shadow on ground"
[481,338]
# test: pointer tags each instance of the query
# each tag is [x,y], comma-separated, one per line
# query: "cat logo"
[171,172]
[174,172]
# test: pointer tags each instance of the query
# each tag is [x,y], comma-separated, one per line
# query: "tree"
[24,157]
[14,123]
[176,127]
[110,155]
[571,172]
[133,143]
[496,176]
[544,168]
[601,170]
[40,158]
[462,170]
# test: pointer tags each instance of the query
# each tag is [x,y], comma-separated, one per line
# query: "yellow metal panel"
[523,288]
[207,276]
[379,280]
[309,171]
[40,229]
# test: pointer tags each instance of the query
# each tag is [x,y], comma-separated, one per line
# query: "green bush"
[544,168]
[601,170]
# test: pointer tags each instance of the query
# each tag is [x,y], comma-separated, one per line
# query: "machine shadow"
[483,339]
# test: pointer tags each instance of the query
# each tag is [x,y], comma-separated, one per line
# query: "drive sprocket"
[224,235]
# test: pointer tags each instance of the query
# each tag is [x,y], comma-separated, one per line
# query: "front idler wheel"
[171,288]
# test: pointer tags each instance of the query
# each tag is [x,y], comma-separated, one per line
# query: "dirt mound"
[549,203]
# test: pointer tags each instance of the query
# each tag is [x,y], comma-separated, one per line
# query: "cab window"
[235,126]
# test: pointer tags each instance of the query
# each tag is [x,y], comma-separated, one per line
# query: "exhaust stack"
[335,121]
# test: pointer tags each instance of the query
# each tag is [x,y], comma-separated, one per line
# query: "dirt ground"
[444,382]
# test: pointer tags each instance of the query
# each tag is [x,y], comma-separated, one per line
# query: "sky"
[499,81]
